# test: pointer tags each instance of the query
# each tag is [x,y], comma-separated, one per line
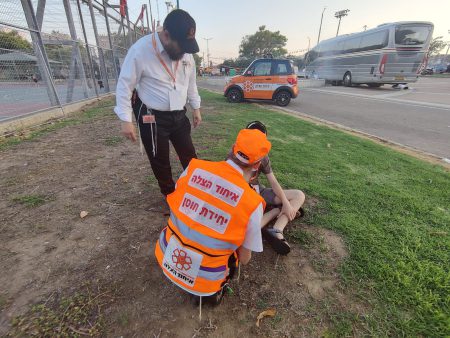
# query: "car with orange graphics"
[264,79]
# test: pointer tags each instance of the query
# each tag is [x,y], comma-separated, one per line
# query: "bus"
[393,53]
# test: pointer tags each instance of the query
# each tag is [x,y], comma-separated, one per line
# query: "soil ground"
[48,252]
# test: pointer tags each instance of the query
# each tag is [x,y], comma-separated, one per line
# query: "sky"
[226,22]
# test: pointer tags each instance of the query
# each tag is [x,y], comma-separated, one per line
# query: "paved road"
[418,117]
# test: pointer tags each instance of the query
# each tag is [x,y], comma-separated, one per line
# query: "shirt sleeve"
[130,74]
[253,238]
[192,92]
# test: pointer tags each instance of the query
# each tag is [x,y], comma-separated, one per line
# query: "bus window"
[351,45]
[376,40]
[411,35]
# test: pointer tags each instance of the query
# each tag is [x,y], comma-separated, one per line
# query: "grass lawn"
[392,210]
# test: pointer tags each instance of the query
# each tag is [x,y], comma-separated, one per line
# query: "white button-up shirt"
[142,70]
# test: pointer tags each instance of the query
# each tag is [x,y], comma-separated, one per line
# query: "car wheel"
[348,79]
[282,98]
[234,95]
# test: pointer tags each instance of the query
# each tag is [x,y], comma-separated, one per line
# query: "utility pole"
[320,27]
[448,46]
[178,4]
[207,49]
[339,15]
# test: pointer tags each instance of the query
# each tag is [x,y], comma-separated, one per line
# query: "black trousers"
[173,126]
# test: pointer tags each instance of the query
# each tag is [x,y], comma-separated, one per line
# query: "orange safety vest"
[210,209]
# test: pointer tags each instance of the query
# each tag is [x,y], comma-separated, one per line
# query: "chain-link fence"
[54,52]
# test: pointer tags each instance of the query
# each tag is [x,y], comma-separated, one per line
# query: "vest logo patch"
[182,263]
[205,213]
[216,186]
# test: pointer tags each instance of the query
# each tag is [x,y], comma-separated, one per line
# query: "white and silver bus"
[393,53]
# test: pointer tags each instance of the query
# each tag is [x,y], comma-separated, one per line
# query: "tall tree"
[263,42]
[436,45]
[12,40]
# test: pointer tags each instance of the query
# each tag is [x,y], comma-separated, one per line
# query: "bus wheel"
[348,79]
[234,95]
[283,98]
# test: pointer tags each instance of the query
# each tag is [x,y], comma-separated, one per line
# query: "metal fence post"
[100,49]
[76,57]
[39,51]
[88,52]
[40,13]
[116,71]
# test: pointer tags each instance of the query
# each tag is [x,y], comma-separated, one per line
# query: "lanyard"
[158,54]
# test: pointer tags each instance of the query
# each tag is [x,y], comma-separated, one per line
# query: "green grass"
[31,201]
[392,210]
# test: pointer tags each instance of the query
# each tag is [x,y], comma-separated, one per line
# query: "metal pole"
[40,13]
[88,52]
[100,49]
[339,25]
[151,13]
[39,51]
[116,71]
[130,40]
[148,22]
[76,56]
[207,49]
[320,27]
[157,9]
[178,4]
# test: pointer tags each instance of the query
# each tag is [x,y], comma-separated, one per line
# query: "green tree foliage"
[12,40]
[238,62]
[198,61]
[436,46]
[263,42]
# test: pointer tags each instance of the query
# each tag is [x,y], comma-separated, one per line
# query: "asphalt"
[418,117]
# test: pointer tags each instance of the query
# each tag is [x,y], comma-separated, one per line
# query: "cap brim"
[190,46]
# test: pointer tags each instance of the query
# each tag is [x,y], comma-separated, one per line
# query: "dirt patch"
[48,251]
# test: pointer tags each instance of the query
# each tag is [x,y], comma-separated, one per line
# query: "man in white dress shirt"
[156,81]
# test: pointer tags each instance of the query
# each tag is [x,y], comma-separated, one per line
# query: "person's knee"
[299,195]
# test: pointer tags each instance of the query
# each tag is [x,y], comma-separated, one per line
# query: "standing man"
[156,81]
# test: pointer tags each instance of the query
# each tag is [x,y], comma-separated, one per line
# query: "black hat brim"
[189,46]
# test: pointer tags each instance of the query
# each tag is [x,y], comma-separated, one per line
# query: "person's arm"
[193,97]
[287,208]
[244,255]
[253,238]
[130,74]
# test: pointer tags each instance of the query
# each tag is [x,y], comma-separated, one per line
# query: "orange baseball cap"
[251,146]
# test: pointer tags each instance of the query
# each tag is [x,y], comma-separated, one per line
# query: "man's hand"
[288,210]
[129,130]
[197,116]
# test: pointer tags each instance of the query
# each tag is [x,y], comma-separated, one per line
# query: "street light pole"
[448,46]
[178,4]
[207,49]
[339,15]
[320,28]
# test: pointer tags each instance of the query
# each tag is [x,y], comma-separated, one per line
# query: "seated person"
[285,205]
[215,219]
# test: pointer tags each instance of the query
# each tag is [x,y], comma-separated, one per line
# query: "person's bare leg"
[296,198]
[268,216]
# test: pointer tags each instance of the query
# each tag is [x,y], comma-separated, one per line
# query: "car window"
[262,68]
[281,68]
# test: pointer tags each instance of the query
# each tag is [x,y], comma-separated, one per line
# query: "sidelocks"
[211,208]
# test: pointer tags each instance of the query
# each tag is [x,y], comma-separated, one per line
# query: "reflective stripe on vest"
[210,273]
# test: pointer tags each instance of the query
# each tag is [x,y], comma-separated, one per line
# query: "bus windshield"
[411,35]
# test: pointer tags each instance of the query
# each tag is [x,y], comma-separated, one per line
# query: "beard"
[174,53]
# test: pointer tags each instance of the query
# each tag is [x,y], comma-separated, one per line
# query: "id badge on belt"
[148,118]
